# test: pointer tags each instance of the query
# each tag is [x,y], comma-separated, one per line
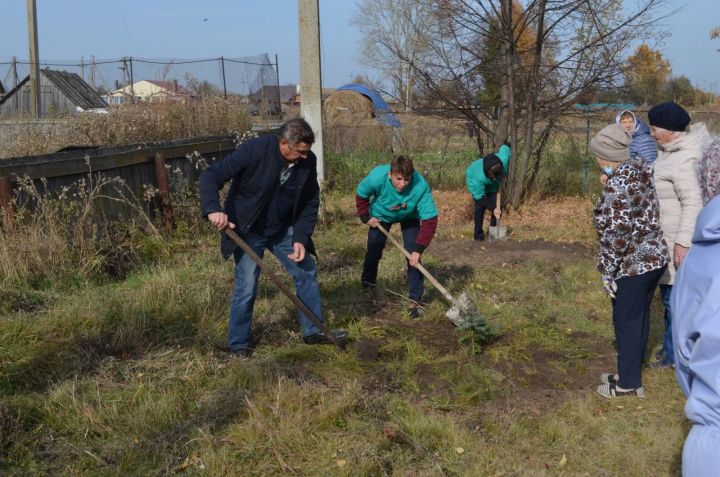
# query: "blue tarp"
[382,110]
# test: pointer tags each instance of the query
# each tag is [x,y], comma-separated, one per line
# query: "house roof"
[71,85]
[167,87]
[172,86]
[75,88]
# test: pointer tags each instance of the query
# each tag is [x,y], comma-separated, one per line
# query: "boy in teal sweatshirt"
[483,181]
[390,194]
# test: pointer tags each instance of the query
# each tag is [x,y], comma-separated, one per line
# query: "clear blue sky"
[71,29]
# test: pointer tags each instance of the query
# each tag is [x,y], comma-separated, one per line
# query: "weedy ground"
[129,376]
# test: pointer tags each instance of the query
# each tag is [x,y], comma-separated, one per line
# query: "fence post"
[6,204]
[15,83]
[168,219]
[586,165]
[222,65]
[132,81]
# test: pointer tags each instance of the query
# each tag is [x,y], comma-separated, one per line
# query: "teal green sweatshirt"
[477,183]
[389,205]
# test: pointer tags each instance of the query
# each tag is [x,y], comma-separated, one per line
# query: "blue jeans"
[375,245]
[246,283]
[668,352]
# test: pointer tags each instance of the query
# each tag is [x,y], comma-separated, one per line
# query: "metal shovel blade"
[498,232]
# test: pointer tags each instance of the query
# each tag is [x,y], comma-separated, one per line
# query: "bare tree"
[551,52]
[393,28]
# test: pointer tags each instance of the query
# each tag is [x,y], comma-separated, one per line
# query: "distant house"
[271,99]
[283,99]
[61,93]
[150,91]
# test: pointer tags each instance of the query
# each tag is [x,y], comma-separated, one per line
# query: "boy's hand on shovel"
[414,259]
[219,220]
[497,212]
[373,222]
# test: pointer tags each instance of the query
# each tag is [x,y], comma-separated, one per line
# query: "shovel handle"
[446,294]
[276,279]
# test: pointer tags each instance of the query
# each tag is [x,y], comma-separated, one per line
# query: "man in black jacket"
[273,204]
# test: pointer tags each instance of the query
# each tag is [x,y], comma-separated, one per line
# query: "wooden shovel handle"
[446,294]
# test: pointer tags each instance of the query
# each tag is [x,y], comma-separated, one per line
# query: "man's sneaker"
[416,312]
[610,390]
[320,338]
[241,353]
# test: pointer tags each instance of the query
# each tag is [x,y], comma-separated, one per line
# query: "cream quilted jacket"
[678,191]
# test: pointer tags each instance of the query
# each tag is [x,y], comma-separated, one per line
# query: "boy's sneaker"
[367,286]
[416,312]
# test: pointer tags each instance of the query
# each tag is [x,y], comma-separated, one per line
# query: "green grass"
[128,377]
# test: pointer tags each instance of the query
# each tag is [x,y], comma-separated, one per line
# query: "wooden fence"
[139,166]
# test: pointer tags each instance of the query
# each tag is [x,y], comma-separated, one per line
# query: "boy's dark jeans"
[488,201]
[376,244]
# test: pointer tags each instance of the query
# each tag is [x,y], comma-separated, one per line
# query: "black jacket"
[254,169]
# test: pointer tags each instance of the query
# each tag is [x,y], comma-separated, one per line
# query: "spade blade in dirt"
[463,312]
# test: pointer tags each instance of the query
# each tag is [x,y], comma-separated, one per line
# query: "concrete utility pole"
[34,58]
[310,76]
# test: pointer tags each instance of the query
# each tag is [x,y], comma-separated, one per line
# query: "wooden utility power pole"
[310,75]
[34,58]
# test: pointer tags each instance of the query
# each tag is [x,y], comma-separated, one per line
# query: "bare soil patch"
[506,253]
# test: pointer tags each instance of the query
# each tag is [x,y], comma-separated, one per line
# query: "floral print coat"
[627,223]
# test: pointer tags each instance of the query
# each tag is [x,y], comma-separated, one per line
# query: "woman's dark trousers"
[631,319]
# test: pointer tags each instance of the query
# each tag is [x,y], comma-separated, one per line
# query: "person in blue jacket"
[397,193]
[695,301]
[272,203]
[642,144]
[483,181]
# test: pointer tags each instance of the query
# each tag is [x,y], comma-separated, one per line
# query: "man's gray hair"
[297,130]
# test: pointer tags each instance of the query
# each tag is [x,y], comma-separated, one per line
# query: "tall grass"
[62,240]
[132,123]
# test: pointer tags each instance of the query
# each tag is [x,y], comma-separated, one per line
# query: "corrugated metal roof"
[75,88]
[70,84]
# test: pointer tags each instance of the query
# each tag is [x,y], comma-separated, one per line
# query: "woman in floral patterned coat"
[633,255]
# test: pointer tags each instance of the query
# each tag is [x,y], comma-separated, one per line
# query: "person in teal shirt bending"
[483,181]
[390,194]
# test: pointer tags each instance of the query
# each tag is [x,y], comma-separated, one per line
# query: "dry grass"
[60,241]
[144,122]
[556,219]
